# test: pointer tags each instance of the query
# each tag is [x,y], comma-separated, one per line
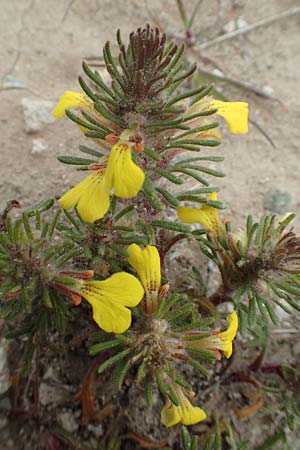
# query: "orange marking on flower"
[217,353]
[97,166]
[76,298]
[112,138]
[138,147]
[86,275]
[216,331]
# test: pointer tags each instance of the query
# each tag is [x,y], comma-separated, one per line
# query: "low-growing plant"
[105,250]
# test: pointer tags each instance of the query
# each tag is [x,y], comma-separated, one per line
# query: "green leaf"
[120,372]
[151,195]
[152,154]
[90,151]
[272,440]
[171,226]
[185,437]
[113,360]
[168,196]
[75,160]
[209,442]
[149,394]
[106,345]
[27,226]
[192,175]
[41,207]
[194,363]
[202,355]
[169,176]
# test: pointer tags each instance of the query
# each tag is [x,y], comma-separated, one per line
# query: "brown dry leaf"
[85,395]
[146,442]
[257,394]
[252,409]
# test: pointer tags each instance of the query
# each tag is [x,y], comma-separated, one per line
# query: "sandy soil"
[43,42]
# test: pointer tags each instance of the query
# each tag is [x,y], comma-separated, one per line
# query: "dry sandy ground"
[43,42]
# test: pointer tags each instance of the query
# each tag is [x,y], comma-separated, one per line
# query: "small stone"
[97,430]
[296,349]
[218,73]
[38,146]
[278,201]
[11,82]
[68,421]
[268,91]
[37,114]
[229,26]
[4,372]
[226,307]
[241,23]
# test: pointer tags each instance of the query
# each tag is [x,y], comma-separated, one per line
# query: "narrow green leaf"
[75,160]
[171,226]
[169,176]
[152,154]
[107,345]
[113,360]
[149,394]
[168,196]
[90,151]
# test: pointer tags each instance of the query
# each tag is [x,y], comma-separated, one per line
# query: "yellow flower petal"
[90,196]
[207,215]
[228,336]
[235,114]
[122,174]
[147,264]
[170,416]
[109,299]
[186,413]
[71,99]
[191,414]
[219,341]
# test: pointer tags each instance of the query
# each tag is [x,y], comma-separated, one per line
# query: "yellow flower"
[207,215]
[147,264]
[219,340]
[235,114]
[122,174]
[110,298]
[81,102]
[118,173]
[185,413]
[228,336]
[71,100]
[90,196]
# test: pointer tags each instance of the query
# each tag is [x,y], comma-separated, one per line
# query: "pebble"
[37,114]
[226,307]
[218,73]
[241,23]
[268,90]
[229,27]
[97,430]
[296,349]
[38,146]
[12,82]
[68,421]
[278,201]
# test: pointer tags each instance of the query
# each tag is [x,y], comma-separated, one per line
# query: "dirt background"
[43,42]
